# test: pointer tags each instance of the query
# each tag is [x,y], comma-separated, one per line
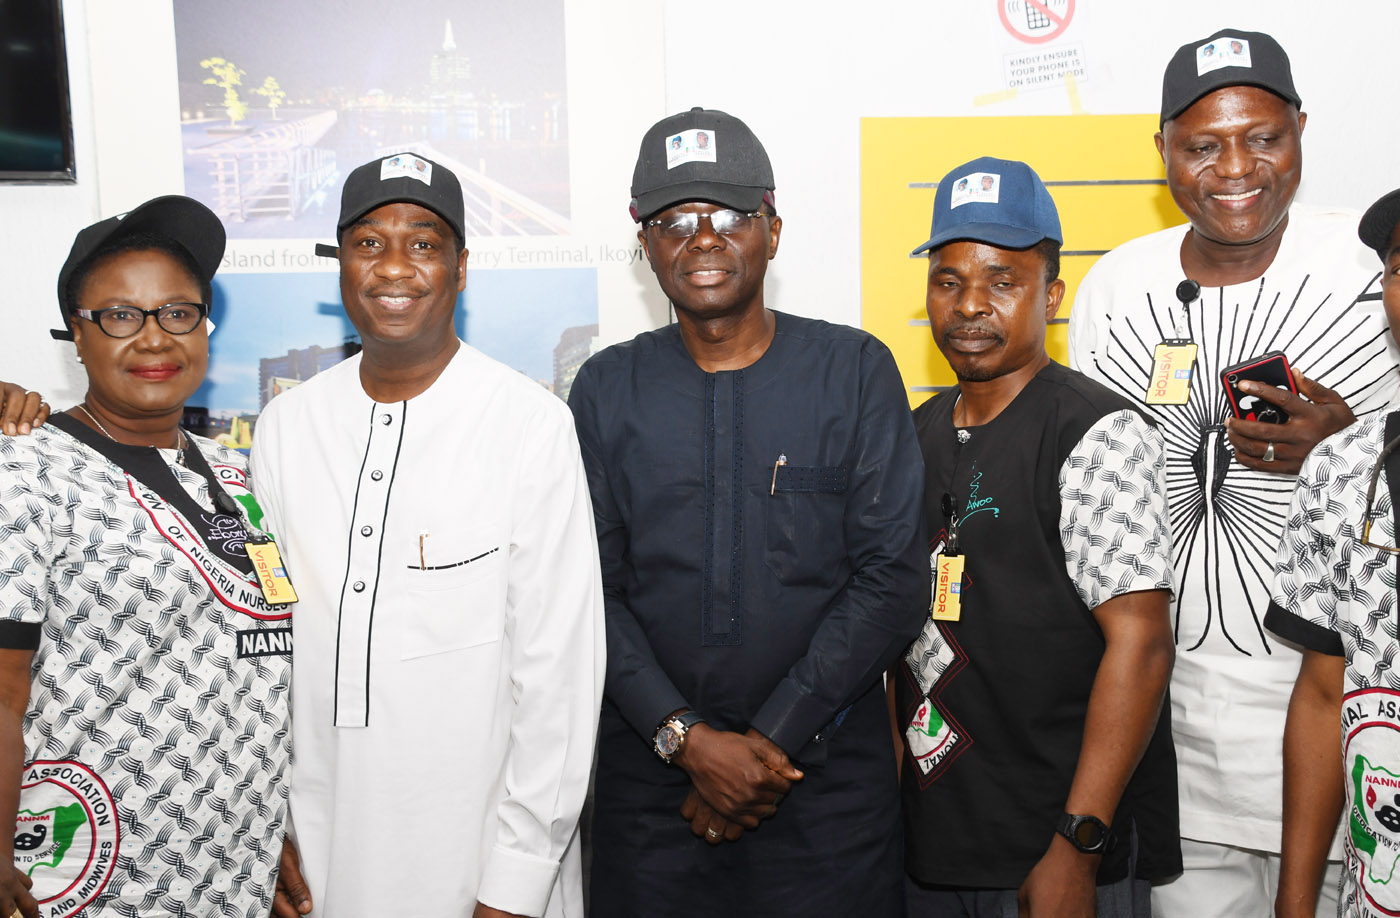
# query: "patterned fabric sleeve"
[1310,588]
[26,537]
[1113,510]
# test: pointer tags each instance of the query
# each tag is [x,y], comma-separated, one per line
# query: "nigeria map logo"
[65,835]
[931,738]
[1375,830]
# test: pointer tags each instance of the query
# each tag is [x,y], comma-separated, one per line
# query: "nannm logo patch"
[265,642]
[931,738]
[66,835]
[1371,719]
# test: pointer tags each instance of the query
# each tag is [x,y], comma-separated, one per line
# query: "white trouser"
[1222,881]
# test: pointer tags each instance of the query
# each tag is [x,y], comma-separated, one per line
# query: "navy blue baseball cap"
[1001,202]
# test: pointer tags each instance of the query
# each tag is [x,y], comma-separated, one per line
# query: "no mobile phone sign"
[1036,21]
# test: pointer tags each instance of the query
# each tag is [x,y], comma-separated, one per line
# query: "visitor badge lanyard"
[262,551]
[1174,359]
[946,605]
[270,570]
[219,532]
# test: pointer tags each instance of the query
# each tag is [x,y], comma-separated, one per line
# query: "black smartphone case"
[1271,369]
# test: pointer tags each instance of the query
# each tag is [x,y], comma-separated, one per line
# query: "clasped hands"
[737,781]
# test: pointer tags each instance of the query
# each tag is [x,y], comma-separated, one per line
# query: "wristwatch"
[670,736]
[1087,833]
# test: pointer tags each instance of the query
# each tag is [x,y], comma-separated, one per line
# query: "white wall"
[810,71]
[802,74]
[37,223]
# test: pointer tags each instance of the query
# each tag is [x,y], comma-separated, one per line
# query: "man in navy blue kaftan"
[757,489]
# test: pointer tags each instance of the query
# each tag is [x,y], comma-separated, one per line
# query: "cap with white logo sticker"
[693,146]
[680,160]
[406,177]
[1008,206]
[979,186]
[1229,57]
[406,165]
[1226,51]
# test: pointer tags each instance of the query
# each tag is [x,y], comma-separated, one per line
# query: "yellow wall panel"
[1102,170]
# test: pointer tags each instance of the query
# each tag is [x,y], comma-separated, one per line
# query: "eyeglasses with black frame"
[125,321]
[725,222]
[1371,499]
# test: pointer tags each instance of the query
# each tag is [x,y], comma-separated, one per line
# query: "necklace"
[963,435]
[180,445]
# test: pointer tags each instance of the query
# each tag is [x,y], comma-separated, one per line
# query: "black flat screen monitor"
[36,125]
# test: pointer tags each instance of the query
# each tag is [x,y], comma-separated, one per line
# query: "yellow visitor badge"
[1172,363]
[272,576]
[947,590]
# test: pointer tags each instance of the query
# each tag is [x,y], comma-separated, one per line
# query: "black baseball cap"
[403,177]
[1230,57]
[700,155]
[1379,221]
[182,220]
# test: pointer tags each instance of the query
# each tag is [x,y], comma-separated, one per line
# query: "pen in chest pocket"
[422,562]
[782,460]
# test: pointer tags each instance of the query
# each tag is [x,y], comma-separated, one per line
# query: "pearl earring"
[80,358]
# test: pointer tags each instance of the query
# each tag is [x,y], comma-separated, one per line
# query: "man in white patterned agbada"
[1334,594]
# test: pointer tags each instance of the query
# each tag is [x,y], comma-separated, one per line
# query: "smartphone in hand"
[1271,369]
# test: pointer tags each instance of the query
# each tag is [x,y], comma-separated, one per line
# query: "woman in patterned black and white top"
[143,676]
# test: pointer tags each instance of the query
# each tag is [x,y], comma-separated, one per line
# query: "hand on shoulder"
[21,410]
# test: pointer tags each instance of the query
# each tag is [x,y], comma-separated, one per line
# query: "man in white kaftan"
[433,508]
[1250,274]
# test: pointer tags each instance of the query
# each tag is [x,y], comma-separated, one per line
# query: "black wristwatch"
[670,736]
[1087,833]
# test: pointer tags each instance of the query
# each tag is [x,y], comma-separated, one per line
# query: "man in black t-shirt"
[1038,765]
